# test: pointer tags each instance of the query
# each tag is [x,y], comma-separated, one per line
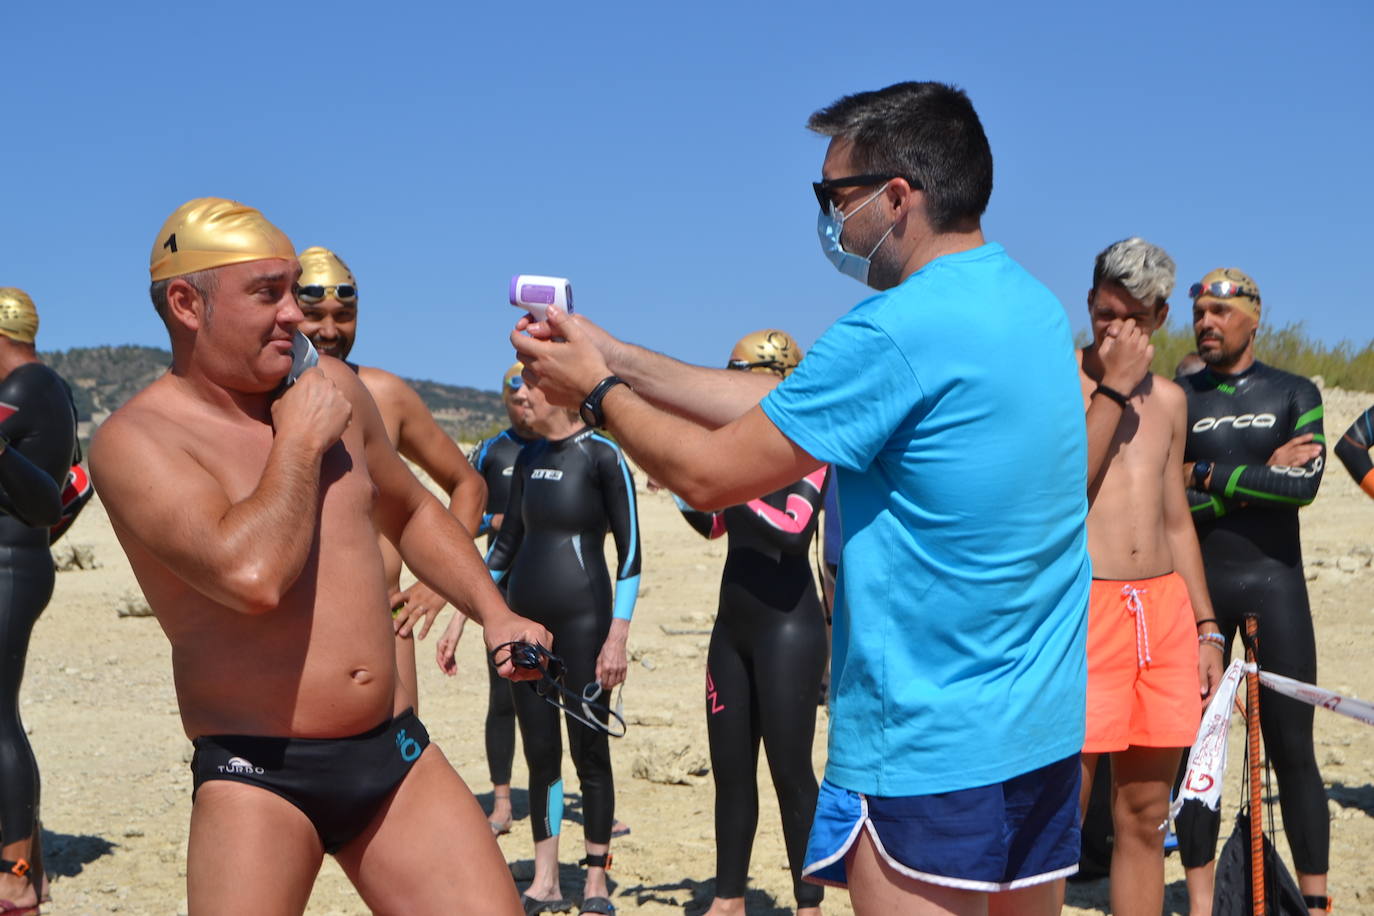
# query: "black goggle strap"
[584,707]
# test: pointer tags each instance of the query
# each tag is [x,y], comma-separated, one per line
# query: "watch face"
[588,415]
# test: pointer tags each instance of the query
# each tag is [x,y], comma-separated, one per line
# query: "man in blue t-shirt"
[949,405]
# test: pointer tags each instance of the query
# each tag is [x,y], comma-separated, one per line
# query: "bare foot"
[726,906]
[501,813]
[18,891]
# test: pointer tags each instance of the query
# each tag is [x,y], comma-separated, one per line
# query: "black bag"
[1232,894]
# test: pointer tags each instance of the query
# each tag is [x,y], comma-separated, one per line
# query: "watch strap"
[591,411]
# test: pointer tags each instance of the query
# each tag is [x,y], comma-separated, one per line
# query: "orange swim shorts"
[1142,665]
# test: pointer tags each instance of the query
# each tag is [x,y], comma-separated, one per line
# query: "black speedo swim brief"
[338,783]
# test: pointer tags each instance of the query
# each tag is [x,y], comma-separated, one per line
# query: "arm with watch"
[1288,479]
[711,463]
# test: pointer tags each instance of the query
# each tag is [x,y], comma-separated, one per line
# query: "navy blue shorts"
[999,837]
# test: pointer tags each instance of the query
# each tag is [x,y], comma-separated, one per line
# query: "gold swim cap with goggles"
[18,316]
[513,380]
[324,275]
[213,232]
[1228,286]
[769,350]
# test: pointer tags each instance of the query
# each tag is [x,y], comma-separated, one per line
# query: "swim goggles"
[743,365]
[1222,289]
[314,292]
[515,382]
[584,707]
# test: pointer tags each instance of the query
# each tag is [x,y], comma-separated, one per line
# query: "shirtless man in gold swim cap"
[250,515]
[328,297]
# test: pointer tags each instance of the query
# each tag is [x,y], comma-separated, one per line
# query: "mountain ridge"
[104,378]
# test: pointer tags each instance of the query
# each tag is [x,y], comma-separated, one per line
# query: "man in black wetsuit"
[1255,454]
[494,459]
[37,448]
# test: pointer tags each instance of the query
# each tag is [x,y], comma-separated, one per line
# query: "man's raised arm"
[244,555]
[709,397]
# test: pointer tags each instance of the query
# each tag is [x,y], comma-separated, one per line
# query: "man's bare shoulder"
[379,380]
[392,393]
[1168,393]
[135,425]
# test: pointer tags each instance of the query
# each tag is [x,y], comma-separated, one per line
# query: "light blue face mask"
[829,226]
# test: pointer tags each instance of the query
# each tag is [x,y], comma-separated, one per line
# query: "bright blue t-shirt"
[950,407]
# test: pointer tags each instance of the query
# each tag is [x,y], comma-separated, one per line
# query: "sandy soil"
[116,787]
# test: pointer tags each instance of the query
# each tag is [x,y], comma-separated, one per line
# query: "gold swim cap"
[18,317]
[322,267]
[508,381]
[767,351]
[1229,286]
[213,232]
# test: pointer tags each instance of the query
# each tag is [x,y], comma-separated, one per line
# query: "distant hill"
[103,378]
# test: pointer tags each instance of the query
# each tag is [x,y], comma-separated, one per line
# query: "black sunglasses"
[823,188]
[313,293]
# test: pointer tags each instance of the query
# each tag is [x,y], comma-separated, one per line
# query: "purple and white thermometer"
[535,294]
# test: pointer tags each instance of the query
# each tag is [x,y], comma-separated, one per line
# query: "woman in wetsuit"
[567,490]
[37,448]
[767,656]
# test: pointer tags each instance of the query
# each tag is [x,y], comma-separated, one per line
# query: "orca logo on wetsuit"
[1244,421]
[546,474]
[1299,471]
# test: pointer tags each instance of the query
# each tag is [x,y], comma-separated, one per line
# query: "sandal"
[619,829]
[532,905]
[600,905]
[19,868]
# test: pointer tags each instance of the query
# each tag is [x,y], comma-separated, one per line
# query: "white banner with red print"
[1207,759]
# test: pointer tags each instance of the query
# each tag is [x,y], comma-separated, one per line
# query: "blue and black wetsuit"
[37,418]
[1247,525]
[1353,450]
[763,673]
[494,459]
[565,495]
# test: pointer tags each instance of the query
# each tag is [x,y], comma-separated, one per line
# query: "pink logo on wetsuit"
[712,696]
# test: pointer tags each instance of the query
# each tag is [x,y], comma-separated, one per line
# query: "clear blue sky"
[657,155]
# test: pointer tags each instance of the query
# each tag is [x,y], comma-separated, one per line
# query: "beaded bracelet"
[1215,639]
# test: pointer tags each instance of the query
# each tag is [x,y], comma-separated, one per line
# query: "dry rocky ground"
[116,788]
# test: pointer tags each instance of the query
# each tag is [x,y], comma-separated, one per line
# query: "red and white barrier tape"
[1207,759]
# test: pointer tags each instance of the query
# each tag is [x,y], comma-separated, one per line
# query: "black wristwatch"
[591,405]
[1200,471]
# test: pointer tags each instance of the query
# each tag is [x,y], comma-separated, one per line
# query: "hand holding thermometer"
[535,294]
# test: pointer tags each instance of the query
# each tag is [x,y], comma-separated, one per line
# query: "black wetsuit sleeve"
[1353,449]
[709,525]
[41,432]
[507,543]
[788,517]
[618,485]
[27,492]
[477,458]
[1277,487]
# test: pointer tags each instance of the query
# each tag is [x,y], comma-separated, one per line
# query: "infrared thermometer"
[534,294]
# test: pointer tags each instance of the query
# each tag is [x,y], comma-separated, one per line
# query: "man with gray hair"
[1151,638]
